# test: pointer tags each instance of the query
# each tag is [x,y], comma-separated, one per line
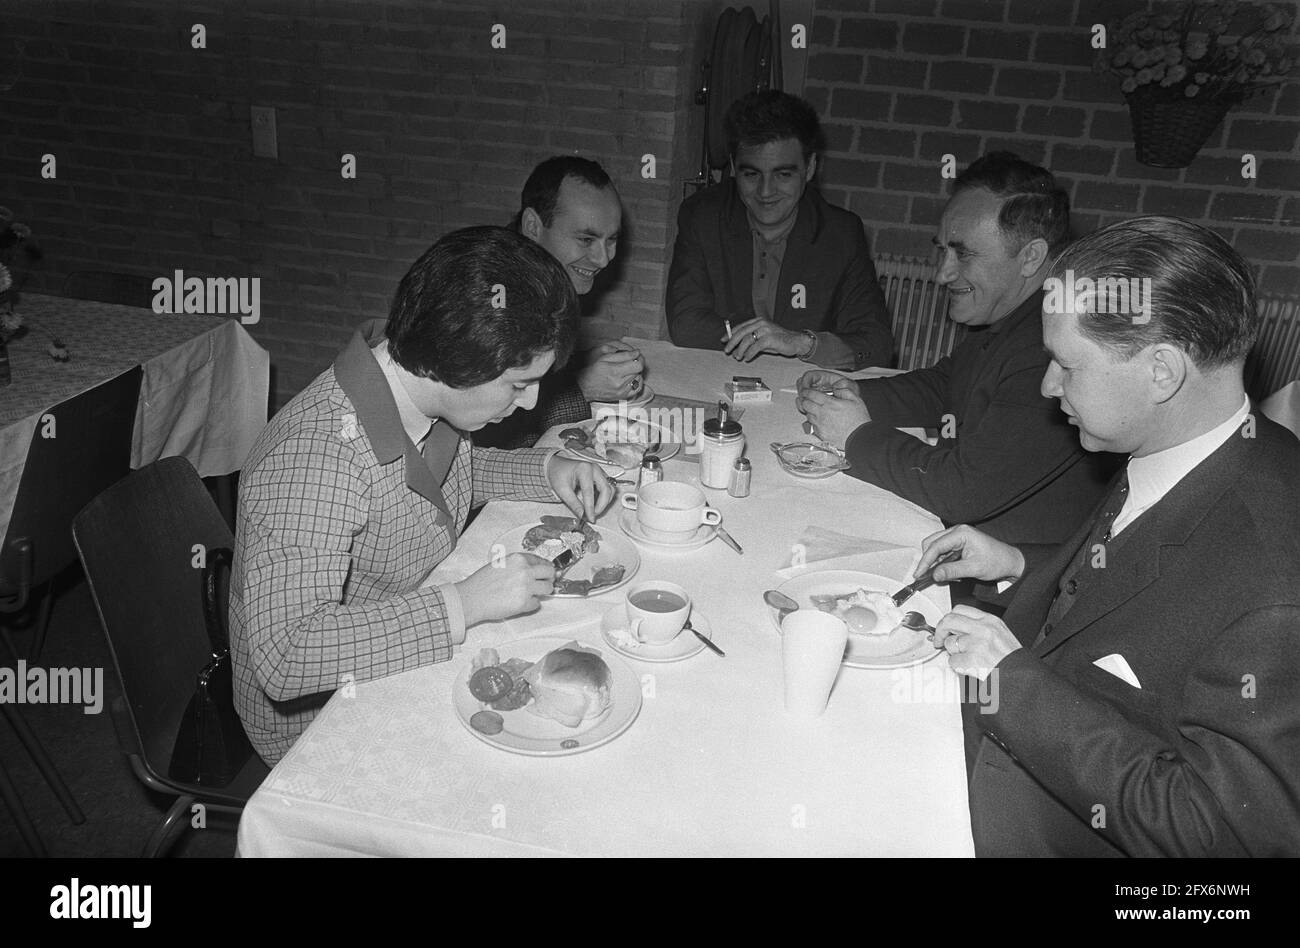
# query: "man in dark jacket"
[762,264]
[1147,672]
[1006,459]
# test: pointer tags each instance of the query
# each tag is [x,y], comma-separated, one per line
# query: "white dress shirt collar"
[415,423]
[1153,476]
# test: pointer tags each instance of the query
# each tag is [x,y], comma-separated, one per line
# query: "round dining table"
[712,764]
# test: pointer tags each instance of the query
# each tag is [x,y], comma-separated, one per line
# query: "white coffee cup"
[657,612]
[670,511]
[812,648]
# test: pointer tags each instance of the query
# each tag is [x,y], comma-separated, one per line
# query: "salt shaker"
[652,470]
[741,472]
[722,442]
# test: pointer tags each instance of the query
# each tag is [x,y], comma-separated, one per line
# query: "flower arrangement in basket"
[1181,71]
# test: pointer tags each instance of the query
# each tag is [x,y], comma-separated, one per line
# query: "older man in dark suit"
[1147,673]
[1006,460]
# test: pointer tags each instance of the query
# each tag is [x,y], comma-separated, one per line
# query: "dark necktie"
[1090,557]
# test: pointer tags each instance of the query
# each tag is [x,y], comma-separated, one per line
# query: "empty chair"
[129,289]
[141,543]
[79,448]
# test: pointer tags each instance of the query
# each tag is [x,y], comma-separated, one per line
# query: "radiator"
[923,333]
[1275,360]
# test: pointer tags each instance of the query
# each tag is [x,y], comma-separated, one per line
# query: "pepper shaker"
[741,472]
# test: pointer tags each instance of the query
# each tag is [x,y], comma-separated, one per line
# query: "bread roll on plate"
[570,685]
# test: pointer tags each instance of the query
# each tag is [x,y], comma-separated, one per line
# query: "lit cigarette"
[727,323]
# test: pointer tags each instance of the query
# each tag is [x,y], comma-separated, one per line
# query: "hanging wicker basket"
[1169,130]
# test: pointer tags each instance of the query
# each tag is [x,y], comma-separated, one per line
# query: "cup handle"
[634,629]
[628,501]
[711,516]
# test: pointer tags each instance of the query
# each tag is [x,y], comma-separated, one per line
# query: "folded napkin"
[827,549]
[1283,406]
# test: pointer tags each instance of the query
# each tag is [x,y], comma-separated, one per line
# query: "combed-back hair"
[763,117]
[1201,292]
[542,189]
[1034,205]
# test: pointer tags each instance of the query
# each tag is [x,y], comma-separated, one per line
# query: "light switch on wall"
[264,142]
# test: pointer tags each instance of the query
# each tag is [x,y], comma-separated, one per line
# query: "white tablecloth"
[203,395]
[712,765]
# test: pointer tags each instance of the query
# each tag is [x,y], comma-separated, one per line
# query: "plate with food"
[619,441]
[876,640]
[604,559]
[546,697]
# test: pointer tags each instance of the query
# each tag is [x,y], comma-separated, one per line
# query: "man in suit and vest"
[1147,671]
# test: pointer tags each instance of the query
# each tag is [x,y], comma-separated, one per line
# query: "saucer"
[630,525]
[682,647]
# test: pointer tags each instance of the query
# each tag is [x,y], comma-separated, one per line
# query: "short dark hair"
[1202,293]
[443,324]
[542,189]
[1034,205]
[763,117]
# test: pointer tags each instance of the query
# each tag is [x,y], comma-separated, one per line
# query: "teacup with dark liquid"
[657,611]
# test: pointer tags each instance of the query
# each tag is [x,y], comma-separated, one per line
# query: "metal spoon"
[782,603]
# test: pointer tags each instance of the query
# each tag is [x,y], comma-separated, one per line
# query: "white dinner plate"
[535,736]
[686,645]
[629,524]
[899,649]
[625,451]
[614,551]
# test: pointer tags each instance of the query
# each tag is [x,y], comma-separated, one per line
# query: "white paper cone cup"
[812,647]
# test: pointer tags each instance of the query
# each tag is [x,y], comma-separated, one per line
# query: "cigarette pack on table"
[746,389]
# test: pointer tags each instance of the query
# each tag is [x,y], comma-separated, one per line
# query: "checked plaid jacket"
[340,520]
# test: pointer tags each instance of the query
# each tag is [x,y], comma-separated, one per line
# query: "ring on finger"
[754,335]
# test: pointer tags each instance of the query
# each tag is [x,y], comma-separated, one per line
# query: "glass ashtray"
[809,460]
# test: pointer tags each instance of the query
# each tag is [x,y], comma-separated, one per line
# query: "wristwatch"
[812,336]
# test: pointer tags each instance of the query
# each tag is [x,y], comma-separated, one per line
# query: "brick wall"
[153,141]
[900,83]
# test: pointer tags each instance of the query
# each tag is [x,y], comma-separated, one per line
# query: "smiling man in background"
[764,252]
[1006,460]
[570,208]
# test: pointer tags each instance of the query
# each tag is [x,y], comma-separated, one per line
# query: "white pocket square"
[1117,666]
